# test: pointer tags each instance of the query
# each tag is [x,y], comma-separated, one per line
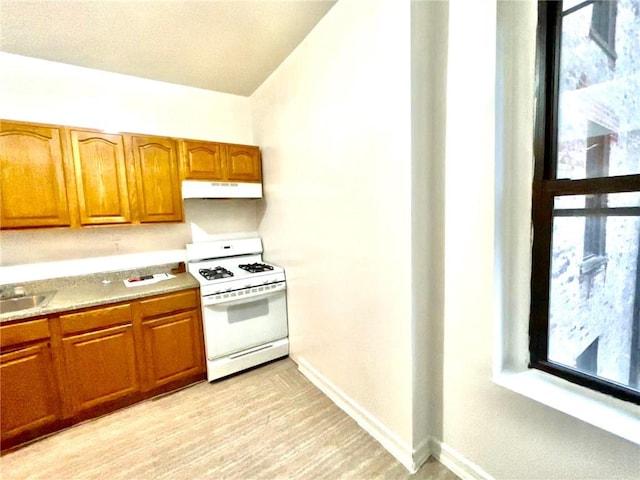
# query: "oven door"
[236,325]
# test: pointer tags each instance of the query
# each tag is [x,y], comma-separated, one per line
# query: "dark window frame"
[546,187]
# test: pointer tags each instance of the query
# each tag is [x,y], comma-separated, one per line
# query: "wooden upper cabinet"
[203,160]
[55,176]
[221,162]
[101,177]
[243,164]
[33,188]
[157,178]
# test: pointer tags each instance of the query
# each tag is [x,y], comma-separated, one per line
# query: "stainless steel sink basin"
[25,302]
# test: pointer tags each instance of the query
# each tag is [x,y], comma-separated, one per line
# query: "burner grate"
[215,273]
[256,267]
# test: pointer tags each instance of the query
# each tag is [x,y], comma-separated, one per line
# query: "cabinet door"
[173,347]
[29,396]
[243,164]
[203,160]
[33,188]
[100,366]
[157,178]
[101,177]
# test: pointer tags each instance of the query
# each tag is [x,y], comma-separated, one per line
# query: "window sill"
[607,413]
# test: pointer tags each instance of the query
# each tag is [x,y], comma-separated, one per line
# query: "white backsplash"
[68,268]
[33,248]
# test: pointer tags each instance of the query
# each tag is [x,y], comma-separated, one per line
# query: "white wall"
[48,92]
[51,92]
[328,208]
[334,125]
[505,434]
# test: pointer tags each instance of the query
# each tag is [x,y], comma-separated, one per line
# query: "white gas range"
[244,306]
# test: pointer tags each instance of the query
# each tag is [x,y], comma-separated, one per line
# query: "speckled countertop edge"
[74,293]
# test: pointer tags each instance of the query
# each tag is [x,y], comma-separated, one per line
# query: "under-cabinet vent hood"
[206,189]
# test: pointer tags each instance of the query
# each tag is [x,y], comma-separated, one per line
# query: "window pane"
[593,294]
[599,104]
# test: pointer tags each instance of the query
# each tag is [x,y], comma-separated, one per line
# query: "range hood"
[206,189]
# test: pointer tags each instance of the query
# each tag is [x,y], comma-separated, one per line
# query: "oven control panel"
[243,293]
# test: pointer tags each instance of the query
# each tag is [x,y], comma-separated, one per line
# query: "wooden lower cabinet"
[100,367]
[173,340]
[99,356]
[29,394]
[60,371]
[172,347]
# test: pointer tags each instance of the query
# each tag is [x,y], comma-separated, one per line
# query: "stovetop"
[233,265]
[225,270]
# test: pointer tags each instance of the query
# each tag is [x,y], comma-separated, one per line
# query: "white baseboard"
[455,462]
[394,445]
[411,459]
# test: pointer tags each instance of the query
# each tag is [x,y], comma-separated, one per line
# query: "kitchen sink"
[16,304]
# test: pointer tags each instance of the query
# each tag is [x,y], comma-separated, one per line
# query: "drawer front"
[169,303]
[95,319]
[24,332]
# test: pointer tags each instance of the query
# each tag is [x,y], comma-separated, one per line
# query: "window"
[603,25]
[585,287]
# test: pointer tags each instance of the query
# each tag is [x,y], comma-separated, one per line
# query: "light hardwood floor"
[267,423]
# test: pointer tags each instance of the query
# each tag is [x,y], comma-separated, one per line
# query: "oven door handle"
[231,303]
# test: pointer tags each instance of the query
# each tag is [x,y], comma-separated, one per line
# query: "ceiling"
[228,46]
